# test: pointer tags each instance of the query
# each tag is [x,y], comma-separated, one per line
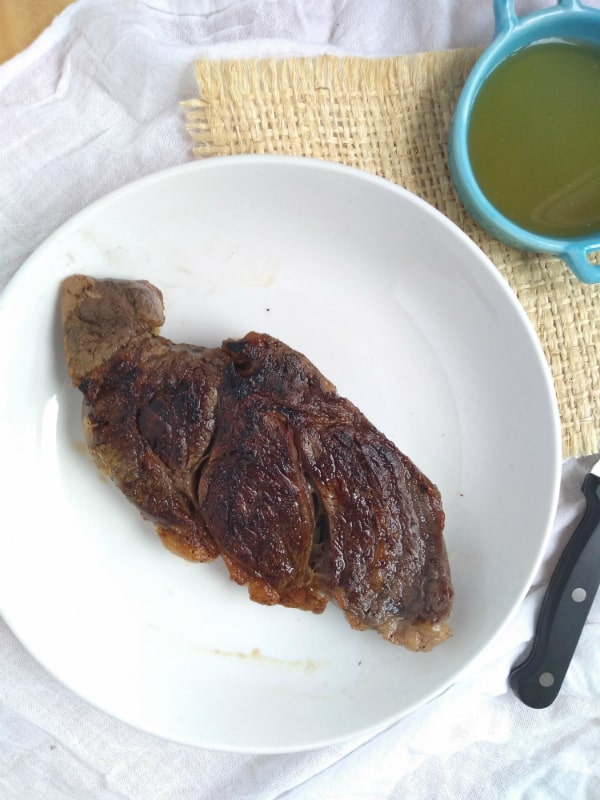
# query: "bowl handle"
[571,3]
[577,260]
[506,17]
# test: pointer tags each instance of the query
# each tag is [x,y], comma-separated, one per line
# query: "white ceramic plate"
[399,309]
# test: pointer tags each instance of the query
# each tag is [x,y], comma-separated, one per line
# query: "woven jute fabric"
[392,117]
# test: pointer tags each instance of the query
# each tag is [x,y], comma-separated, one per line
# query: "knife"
[566,605]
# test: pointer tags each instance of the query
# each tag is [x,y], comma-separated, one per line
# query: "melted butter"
[534,138]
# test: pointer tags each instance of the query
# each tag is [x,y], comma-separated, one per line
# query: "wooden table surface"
[22,21]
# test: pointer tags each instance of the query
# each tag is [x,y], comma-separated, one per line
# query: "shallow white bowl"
[411,321]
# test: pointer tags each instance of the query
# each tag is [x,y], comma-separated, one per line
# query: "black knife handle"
[564,610]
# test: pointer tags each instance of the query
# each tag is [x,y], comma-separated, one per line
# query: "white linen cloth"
[93,104]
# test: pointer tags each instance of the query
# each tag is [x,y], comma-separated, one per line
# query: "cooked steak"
[149,404]
[247,451]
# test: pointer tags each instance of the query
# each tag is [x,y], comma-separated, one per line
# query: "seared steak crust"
[149,405]
[248,452]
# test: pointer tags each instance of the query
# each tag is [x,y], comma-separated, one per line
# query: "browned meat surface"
[248,452]
[149,404]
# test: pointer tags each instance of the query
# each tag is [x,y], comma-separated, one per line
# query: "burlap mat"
[391,117]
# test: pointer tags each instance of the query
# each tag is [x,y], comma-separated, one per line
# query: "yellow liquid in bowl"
[534,138]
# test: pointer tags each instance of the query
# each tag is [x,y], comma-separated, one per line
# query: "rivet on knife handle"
[565,607]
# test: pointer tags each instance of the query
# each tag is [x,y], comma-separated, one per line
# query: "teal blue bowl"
[569,19]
